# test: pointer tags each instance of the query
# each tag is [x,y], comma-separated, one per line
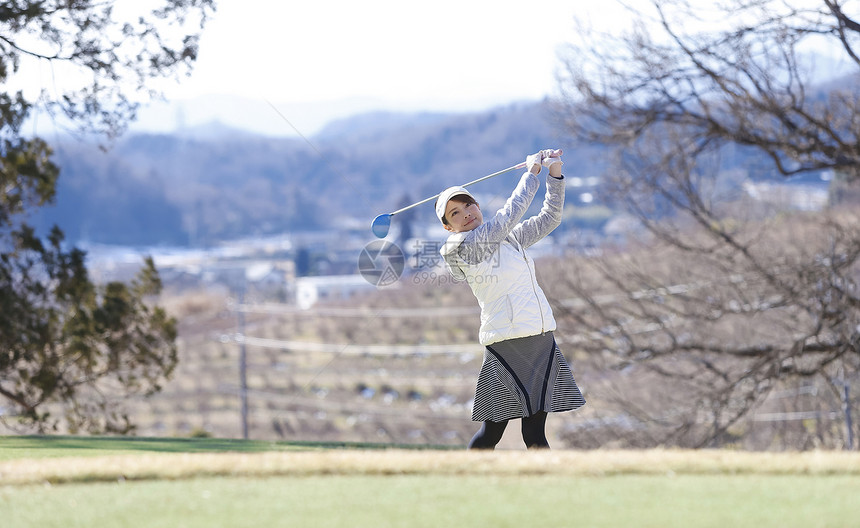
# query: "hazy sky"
[318,60]
[440,54]
[322,59]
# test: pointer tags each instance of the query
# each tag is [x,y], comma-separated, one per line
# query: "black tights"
[534,433]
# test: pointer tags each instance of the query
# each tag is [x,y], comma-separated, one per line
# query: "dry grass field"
[304,462]
[395,366]
[67,482]
[367,370]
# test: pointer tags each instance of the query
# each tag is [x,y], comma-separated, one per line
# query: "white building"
[310,290]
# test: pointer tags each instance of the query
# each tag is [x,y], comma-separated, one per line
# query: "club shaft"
[487,177]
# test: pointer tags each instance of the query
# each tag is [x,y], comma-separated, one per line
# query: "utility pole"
[243,363]
[846,408]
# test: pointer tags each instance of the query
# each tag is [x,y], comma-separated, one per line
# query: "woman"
[524,374]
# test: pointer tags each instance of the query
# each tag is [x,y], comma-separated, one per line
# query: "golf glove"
[550,153]
[549,162]
[532,160]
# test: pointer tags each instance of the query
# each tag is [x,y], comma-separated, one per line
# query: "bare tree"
[723,298]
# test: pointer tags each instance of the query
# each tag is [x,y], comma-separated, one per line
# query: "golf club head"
[380,225]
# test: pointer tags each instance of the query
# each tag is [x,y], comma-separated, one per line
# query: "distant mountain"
[213,182]
[212,131]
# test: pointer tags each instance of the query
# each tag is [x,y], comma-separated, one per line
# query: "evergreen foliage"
[71,349]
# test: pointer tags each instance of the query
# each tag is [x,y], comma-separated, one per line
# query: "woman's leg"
[534,431]
[489,435]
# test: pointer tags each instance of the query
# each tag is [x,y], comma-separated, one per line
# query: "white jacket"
[493,260]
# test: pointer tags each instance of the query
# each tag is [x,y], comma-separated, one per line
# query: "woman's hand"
[551,159]
[533,162]
[554,165]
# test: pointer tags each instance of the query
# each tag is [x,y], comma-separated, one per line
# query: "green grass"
[73,482]
[14,447]
[687,501]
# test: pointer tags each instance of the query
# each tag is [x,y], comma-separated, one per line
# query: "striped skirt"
[520,377]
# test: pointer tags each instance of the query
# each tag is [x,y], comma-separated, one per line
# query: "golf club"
[382,223]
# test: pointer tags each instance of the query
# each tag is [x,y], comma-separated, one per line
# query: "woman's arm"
[481,242]
[542,224]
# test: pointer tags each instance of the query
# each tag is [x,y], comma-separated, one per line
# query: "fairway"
[215,483]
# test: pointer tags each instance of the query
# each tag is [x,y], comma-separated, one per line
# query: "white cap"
[447,194]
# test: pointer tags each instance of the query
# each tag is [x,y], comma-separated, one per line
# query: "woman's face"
[462,217]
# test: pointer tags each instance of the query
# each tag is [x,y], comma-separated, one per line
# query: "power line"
[397,313]
[353,349]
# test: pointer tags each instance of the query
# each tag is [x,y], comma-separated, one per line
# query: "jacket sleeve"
[477,245]
[535,228]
